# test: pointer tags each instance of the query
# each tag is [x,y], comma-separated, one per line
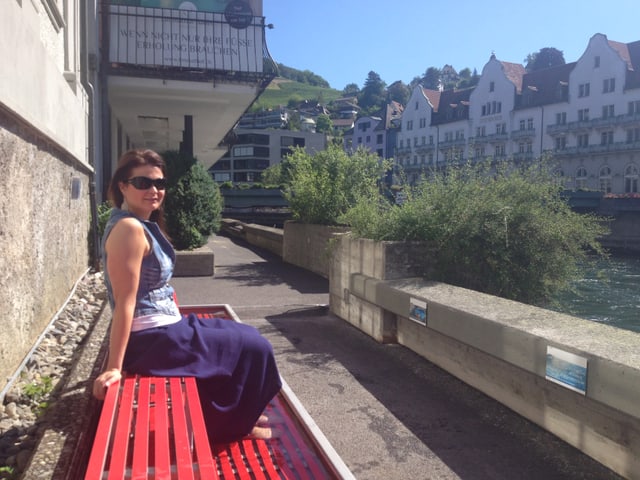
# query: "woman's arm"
[126,246]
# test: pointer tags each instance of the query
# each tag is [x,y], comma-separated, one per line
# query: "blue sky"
[343,40]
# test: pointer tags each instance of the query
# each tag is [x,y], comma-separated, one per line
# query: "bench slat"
[206,464]
[120,449]
[142,431]
[162,454]
[100,449]
[184,460]
[252,460]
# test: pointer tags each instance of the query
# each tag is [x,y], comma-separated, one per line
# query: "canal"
[609,293]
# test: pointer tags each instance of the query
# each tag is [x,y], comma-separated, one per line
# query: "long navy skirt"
[234,366]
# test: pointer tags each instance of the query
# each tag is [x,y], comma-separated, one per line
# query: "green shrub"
[322,187]
[507,233]
[193,204]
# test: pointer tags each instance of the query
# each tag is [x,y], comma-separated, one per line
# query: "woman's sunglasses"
[145,183]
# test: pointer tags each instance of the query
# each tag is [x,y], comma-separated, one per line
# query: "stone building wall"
[44,235]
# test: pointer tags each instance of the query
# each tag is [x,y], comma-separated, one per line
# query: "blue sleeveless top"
[155,295]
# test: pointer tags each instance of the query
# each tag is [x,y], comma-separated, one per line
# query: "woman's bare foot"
[261,433]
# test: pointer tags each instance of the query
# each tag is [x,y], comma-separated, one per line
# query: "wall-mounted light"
[76,188]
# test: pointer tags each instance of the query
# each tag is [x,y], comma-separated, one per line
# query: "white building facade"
[584,115]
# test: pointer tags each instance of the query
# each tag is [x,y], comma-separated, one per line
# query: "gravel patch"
[31,407]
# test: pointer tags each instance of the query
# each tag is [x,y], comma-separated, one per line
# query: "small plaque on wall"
[567,369]
[418,311]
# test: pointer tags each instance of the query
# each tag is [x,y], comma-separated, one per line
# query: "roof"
[514,73]
[433,96]
[546,86]
[453,106]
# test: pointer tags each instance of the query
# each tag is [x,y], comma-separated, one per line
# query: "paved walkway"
[388,413]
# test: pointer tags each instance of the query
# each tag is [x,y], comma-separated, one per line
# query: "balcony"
[517,134]
[182,78]
[186,44]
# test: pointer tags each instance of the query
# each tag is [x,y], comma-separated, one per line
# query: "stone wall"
[44,235]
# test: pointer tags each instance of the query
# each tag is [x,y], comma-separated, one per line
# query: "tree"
[545,58]
[351,89]
[193,206]
[372,96]
[323,186]
[431,78]
[324,124]
[398,92]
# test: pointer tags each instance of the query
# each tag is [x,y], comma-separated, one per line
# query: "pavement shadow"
[474,435]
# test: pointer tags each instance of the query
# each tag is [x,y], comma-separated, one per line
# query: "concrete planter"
[194,263]
[309,246]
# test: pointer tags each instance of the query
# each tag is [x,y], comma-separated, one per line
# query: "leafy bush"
[322,187]
[507,233]
[193,205]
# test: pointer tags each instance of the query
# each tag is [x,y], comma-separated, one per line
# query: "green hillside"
[281,91]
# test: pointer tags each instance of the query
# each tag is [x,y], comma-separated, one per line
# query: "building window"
[583,115]
[631,179]
[634,107]
[561,118]
[430,139]
[424,140]
[529,123]
[415,141]
[596,61]
[633,135]
[529,146]
[581,178]
[584,90]
[501,128]
[379,138]
[492,86]
[561,143]
[606,138]
[410,125]
[609,85]
[292,142]
[583,140]
[380,153]
[499,150]
[608,111]
[605,180]
[417,105]
[522,124]
[423,122]
[243,152]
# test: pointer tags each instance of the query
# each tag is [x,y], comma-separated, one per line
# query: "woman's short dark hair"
[127,162]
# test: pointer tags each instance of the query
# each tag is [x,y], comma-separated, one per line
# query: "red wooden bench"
[153,428]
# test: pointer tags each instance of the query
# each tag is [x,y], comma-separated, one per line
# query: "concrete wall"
[309,246]
[500,347]
[264,237]
[43,152]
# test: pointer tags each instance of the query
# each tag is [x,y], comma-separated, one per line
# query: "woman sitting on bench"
[233,364]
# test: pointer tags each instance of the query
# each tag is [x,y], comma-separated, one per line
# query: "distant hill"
[280,91]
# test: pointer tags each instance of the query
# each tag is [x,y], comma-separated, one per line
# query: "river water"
[608,293]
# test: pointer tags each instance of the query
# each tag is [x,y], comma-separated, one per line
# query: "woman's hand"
[103,381]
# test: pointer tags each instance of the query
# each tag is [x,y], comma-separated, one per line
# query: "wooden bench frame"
[153,427]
